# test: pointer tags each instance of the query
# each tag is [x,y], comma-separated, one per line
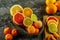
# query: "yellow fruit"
[48,2]
[27,12]
[15,8]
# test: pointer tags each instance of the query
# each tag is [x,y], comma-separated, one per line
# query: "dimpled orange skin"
[48,2]
[14,32]
[31,29]
[36,30]
[58,5]
[38,24]
[7,30]
[8,37]
[51,9]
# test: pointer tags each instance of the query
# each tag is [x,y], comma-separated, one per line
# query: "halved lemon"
[27,12]
[15,8]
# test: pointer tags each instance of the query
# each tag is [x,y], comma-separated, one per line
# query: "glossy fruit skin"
[7,30]
[38,24]
[8,37]
[58,5]
[31,30]
[48,2]
[14,32]
[18,19]
[36,30]
[51,9]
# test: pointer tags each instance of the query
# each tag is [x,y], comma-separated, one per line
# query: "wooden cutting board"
[45,29]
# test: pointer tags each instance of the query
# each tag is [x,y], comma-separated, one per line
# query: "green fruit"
[52,27]
[34,17]
[27,22]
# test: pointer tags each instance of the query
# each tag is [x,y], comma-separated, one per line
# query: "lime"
[34,17]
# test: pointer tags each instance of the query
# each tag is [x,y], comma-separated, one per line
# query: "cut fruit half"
[18,19]
[27,12]
[34,17]
[52,21]
[52,18]
[52,27]
[16,8]
[27,22]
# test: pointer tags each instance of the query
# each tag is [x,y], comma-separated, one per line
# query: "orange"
[8,37]
[51,9]
[36,30]
[48,2]
[14,32]
[38,24]
[16,8]
[31,29]
[58,5]
[7,30]
[27,12]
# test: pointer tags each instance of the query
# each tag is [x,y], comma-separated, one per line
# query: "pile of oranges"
[52,6]
[10,33]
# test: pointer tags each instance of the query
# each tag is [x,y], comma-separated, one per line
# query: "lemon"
[15,8]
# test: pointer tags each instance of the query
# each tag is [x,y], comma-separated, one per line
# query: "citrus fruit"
[8,37]
[18,19]
[27,21]
[27,12]
[36,30]
[7,30]
[52,27]
[52,18]
[15,8]
[58,5]
[51,9]
[31,30]
[48,2]
[52,21]
[14,32]
[38,24]
[34,17]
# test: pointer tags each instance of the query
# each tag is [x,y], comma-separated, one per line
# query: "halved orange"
[16,8]
[27,12]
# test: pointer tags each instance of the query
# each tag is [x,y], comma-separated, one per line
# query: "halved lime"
[27,21]
[52,27]
[34,17]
